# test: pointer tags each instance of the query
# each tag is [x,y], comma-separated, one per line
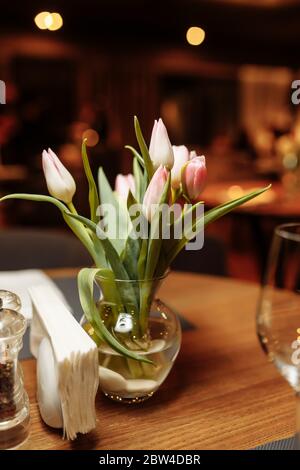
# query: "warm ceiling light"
[56,22]
[40,19]
[50,21]
[195,35]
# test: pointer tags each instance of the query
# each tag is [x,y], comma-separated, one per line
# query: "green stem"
[176,194]
[86,236]
[82,233]
[135,369]
[145,303]
[72,208]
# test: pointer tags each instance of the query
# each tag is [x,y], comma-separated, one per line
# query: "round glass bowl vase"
[144,324]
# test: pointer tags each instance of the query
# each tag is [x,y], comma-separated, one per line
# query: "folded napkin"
[67,364]
[19,282]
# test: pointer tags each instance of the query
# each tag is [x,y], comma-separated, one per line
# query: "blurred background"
[218,72]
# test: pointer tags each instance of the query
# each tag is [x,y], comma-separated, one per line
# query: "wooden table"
[221,394]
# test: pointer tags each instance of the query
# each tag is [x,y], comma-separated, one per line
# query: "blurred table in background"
[258,217]
[276,202]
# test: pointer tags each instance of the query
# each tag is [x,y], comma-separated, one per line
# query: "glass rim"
[284,232]
[135,281]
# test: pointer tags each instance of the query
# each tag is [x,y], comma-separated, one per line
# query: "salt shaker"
[14,403]
[9,300]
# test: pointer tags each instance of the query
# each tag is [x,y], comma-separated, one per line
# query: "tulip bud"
[193,154]
[181,157]
[124,184]
[194,177]
[160,149]
[154,191]
[60,182]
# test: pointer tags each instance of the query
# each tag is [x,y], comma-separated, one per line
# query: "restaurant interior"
[221,74]
[229,98]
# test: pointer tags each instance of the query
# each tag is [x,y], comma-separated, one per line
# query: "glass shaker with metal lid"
[14,403]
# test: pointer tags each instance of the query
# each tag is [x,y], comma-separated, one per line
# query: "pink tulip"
[193,154]
[60,182]
[181,157]
[194,177]
[154,191]
[124,184]
[160,149]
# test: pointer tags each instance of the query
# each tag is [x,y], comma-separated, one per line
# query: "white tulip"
[60,182]
[160,148]
[181,157]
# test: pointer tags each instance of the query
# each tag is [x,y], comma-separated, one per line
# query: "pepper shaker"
[9,300]
[14,403]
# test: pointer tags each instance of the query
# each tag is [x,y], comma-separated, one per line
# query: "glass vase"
[142,323]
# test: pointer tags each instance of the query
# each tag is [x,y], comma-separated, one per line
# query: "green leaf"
[74,225]
[86,279]
[209,217]
[219,211]
[126,289]
[130,256]
[108,288]
[118,218]
[138,180]
[155,241]
[130,200]
[143,259]
[179,226]
[99,253]
[37,198]
[111,253]
[144,149]
[141,179]
[93,193]
[136,155]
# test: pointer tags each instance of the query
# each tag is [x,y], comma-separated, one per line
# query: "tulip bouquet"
[125,232]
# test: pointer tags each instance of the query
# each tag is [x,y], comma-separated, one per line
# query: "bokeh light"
[56,23]
[195,35]
[41,19]
[92,137]
[50,21]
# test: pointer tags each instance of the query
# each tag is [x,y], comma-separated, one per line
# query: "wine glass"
[278,316]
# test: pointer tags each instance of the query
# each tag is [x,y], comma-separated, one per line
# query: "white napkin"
[19,283]
[73,376]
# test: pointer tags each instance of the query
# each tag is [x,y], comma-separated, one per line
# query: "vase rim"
[135,281]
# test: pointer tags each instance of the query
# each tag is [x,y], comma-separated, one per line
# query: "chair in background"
[40,249]
[211,259]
